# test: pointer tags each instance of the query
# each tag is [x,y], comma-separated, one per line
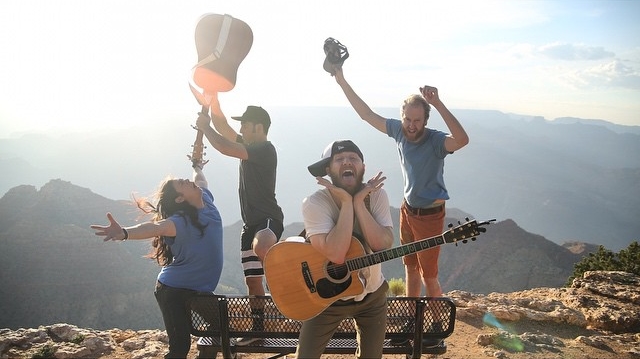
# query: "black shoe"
[242,342]
[431,342]
[435,327]
[206,352]
[398,341]
[406,327]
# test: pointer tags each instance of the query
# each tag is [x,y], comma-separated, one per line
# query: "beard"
[412,137]
[351,184]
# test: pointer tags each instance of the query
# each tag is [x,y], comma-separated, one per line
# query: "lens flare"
[505,338]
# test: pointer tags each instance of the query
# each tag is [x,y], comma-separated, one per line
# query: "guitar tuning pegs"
[464,241]
[473,239]
[466,219]
[450,225]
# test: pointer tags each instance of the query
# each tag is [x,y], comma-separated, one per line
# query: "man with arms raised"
[422,151]
[261,214]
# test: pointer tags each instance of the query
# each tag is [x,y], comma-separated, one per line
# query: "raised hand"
[430,94]
[375,183]
[339,193]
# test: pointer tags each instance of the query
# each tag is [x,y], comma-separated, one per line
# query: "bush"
[46,351]
[396,287]
[627,260]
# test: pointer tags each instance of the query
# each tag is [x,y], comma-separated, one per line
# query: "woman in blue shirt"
[187,243]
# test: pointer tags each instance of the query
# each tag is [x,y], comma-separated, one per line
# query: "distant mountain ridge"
[54,269]
[567,179]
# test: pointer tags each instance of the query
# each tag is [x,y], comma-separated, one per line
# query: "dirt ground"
[463,344]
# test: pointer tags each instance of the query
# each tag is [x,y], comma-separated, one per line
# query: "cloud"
[560,51]
[612,74]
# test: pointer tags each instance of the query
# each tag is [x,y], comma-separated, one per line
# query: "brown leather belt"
[424,211]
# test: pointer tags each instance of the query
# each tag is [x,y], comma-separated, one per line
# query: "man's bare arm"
[362,109]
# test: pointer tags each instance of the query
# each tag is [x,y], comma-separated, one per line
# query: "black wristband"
[126,234]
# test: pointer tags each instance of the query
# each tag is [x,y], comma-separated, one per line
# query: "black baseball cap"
[318,169]
[255,114]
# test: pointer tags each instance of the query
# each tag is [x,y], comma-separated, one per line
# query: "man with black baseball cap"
[318,169]
[262,216]
[257,115]
[346,213]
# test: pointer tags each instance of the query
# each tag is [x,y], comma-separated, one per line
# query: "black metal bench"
[224,318]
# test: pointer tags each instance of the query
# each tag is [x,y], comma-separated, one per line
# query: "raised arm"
[198,175]
[458,137]
[197,160]
[364,111]
[220,123]
[335,244]
[378,237]
[222,144]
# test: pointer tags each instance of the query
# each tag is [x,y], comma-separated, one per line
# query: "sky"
[71,65]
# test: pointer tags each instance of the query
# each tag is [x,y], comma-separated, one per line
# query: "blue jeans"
[176,317]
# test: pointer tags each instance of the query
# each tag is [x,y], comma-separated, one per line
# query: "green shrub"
[46,351]
[627,260]
[78,339]
[396,287]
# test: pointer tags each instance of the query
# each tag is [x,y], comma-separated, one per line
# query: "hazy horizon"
[540,173]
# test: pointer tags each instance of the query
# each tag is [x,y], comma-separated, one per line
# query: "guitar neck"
[393,253]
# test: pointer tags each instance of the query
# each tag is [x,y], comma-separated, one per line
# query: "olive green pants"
[370,316]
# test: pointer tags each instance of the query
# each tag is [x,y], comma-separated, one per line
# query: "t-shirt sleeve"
[207,197]
[316,215]
[262,154]
[394,128]
[380,208]
[438,144]
[180,223]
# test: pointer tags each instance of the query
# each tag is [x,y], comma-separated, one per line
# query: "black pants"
[175,314]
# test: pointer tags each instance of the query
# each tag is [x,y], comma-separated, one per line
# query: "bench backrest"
[231,316]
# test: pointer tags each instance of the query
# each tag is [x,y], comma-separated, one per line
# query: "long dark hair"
[167,207]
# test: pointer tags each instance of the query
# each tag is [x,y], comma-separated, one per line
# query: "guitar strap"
[222,42]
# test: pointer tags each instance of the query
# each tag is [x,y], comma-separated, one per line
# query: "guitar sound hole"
[337,272]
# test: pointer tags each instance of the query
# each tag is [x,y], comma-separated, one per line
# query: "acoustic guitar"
[222,43]
[303,282]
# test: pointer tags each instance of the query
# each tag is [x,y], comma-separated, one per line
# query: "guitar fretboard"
[462,232]
[393,253]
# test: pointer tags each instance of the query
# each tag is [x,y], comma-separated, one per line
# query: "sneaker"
[431,342]
[206,352]
[435,327]
[241,342]
[398,341]
[407,327]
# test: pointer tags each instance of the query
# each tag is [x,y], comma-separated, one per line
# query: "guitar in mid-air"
[222,43]
[303,282]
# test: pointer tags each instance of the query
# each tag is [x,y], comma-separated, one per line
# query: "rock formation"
[607,304]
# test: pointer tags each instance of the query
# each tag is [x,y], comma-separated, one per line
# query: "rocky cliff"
[597,317]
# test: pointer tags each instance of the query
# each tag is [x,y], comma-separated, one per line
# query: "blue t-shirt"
[422,165]
[197,260]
